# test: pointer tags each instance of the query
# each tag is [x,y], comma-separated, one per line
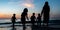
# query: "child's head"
[14,14]
[33,14]
[39,15]
[25,10]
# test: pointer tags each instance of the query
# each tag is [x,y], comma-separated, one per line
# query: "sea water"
[7,26]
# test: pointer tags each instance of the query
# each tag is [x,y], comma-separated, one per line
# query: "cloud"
[28,5]
[25,3]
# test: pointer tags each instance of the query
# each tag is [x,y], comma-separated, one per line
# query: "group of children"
[38,19]
[45,12]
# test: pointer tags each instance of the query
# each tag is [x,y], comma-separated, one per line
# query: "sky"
[9,7]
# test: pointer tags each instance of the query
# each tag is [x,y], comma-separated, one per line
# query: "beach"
[9,27]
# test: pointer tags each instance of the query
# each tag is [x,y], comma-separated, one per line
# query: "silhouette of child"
[24,15]
[33,18]
[39,20]
[13,18]
[13,21]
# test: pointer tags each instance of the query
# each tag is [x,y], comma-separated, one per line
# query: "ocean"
[7,26]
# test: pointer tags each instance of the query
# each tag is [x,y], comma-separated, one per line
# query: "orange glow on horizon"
[10,15]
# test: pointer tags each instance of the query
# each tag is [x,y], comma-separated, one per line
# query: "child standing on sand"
[39,20]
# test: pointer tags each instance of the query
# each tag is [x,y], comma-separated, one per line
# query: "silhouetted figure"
[46,12]
[39,20]
[33,20]
[24,15]
[13,21]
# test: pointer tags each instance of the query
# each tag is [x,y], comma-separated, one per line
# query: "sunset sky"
[8,7]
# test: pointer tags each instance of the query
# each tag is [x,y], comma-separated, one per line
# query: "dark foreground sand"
[45,28]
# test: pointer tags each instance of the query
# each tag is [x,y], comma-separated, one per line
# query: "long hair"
[25,10]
